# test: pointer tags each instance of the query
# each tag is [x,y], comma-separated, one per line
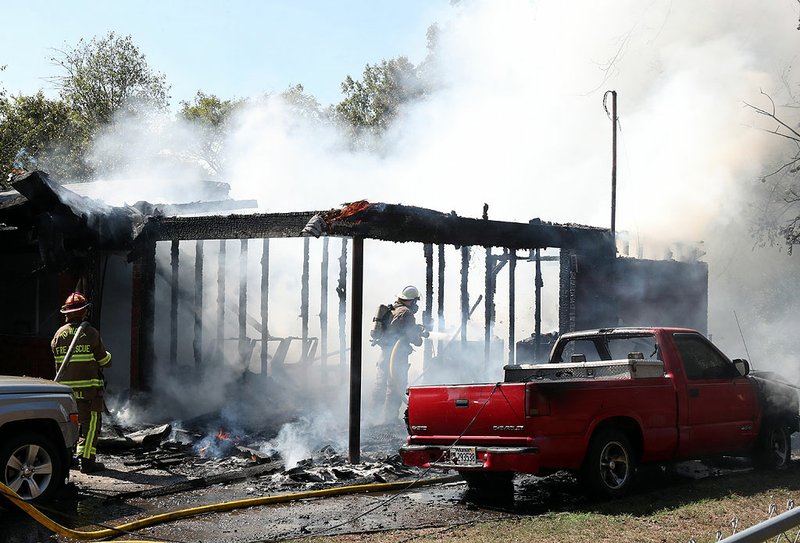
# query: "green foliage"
[103,76]
[302,103]
[37,133]
[209,116]
[373,102]
[208,109]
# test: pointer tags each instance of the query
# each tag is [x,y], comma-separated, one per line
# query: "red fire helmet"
[75,302]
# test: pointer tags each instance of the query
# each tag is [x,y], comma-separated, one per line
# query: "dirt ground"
[692,499]
[441,512]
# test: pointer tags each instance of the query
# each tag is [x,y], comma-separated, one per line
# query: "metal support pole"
[173,309]
[323,307]
[197,344]
[244,347]
[440,324]
[769,529]
[488,308]
[355,350]
[537,312]
[464,293]
[221,297]
[512,286]
[304,300]
[427,315]
[265,307]
[341,291]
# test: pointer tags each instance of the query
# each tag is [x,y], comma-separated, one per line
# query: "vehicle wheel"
[31,466]
[774,447]
[610,464]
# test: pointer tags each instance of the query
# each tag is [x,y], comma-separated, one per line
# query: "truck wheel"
[774,447]
[31,466]
[610,464]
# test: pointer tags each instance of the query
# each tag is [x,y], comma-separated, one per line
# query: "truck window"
[701,360]
[621,347]
[585,347]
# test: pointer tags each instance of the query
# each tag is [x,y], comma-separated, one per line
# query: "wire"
[743,341]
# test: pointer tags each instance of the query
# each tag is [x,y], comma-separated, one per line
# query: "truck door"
[720,403]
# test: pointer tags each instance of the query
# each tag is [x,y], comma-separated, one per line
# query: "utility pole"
[614,121]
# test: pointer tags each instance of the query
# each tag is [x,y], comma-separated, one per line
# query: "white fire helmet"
[409,293]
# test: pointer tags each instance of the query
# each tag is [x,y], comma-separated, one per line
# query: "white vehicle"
[38,433]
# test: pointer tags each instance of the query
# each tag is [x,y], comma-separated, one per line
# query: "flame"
[222,435]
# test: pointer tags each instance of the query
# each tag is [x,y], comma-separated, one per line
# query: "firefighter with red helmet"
[83,373]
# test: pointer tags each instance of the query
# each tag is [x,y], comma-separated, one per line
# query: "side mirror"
[742,366]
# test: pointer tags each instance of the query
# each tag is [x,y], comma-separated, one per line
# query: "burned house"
[152,315]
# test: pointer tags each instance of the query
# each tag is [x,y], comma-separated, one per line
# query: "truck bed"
[551,416]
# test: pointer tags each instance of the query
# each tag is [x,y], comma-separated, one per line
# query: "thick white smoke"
[516,120]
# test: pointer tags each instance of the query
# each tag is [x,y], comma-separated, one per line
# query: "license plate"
[463,455]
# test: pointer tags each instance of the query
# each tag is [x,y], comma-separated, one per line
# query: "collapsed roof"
[61,220]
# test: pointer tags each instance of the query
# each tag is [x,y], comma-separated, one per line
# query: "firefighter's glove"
[420,333]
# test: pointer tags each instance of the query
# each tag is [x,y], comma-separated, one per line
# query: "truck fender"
[628,423]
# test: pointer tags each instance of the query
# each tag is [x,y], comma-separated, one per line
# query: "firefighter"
[84,373]
[400,331]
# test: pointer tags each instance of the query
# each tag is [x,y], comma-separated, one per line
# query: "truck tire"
[31,466]
[773,448]
[610,464]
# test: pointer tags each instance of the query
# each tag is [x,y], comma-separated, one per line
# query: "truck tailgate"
[478,414]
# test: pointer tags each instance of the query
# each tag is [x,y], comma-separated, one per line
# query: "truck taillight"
[536,404]
[73,417]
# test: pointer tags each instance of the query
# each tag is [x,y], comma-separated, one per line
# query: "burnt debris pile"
[203,451]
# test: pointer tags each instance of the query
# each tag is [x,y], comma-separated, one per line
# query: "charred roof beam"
[388,222]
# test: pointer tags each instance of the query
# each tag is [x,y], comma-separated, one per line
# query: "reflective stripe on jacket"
[88,357]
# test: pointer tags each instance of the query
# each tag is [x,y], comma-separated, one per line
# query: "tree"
[37,133]
[373,102]
[104,75]
[209,116]
[302,103]
[779,214]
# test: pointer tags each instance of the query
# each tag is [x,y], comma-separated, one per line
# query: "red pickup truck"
[607,401]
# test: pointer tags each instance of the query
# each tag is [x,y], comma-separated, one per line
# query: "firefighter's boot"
[90,465]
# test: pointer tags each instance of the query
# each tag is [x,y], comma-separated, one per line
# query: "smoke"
[299,440]
[514,118]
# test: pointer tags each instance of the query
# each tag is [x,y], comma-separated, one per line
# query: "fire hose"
[122,529]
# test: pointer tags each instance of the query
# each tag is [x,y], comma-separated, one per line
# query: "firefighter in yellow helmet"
[399,332]
[84,374]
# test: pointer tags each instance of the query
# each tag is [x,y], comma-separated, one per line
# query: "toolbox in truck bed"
[570,371]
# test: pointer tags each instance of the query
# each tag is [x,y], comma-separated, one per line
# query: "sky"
[232,49]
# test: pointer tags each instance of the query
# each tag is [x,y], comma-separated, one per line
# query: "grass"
[669,510]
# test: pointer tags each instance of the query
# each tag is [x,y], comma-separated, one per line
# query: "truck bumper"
[517,459]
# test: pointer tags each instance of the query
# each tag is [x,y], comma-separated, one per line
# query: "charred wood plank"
[203,482]
[197,343]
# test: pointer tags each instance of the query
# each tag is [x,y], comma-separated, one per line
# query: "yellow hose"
[50,524]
